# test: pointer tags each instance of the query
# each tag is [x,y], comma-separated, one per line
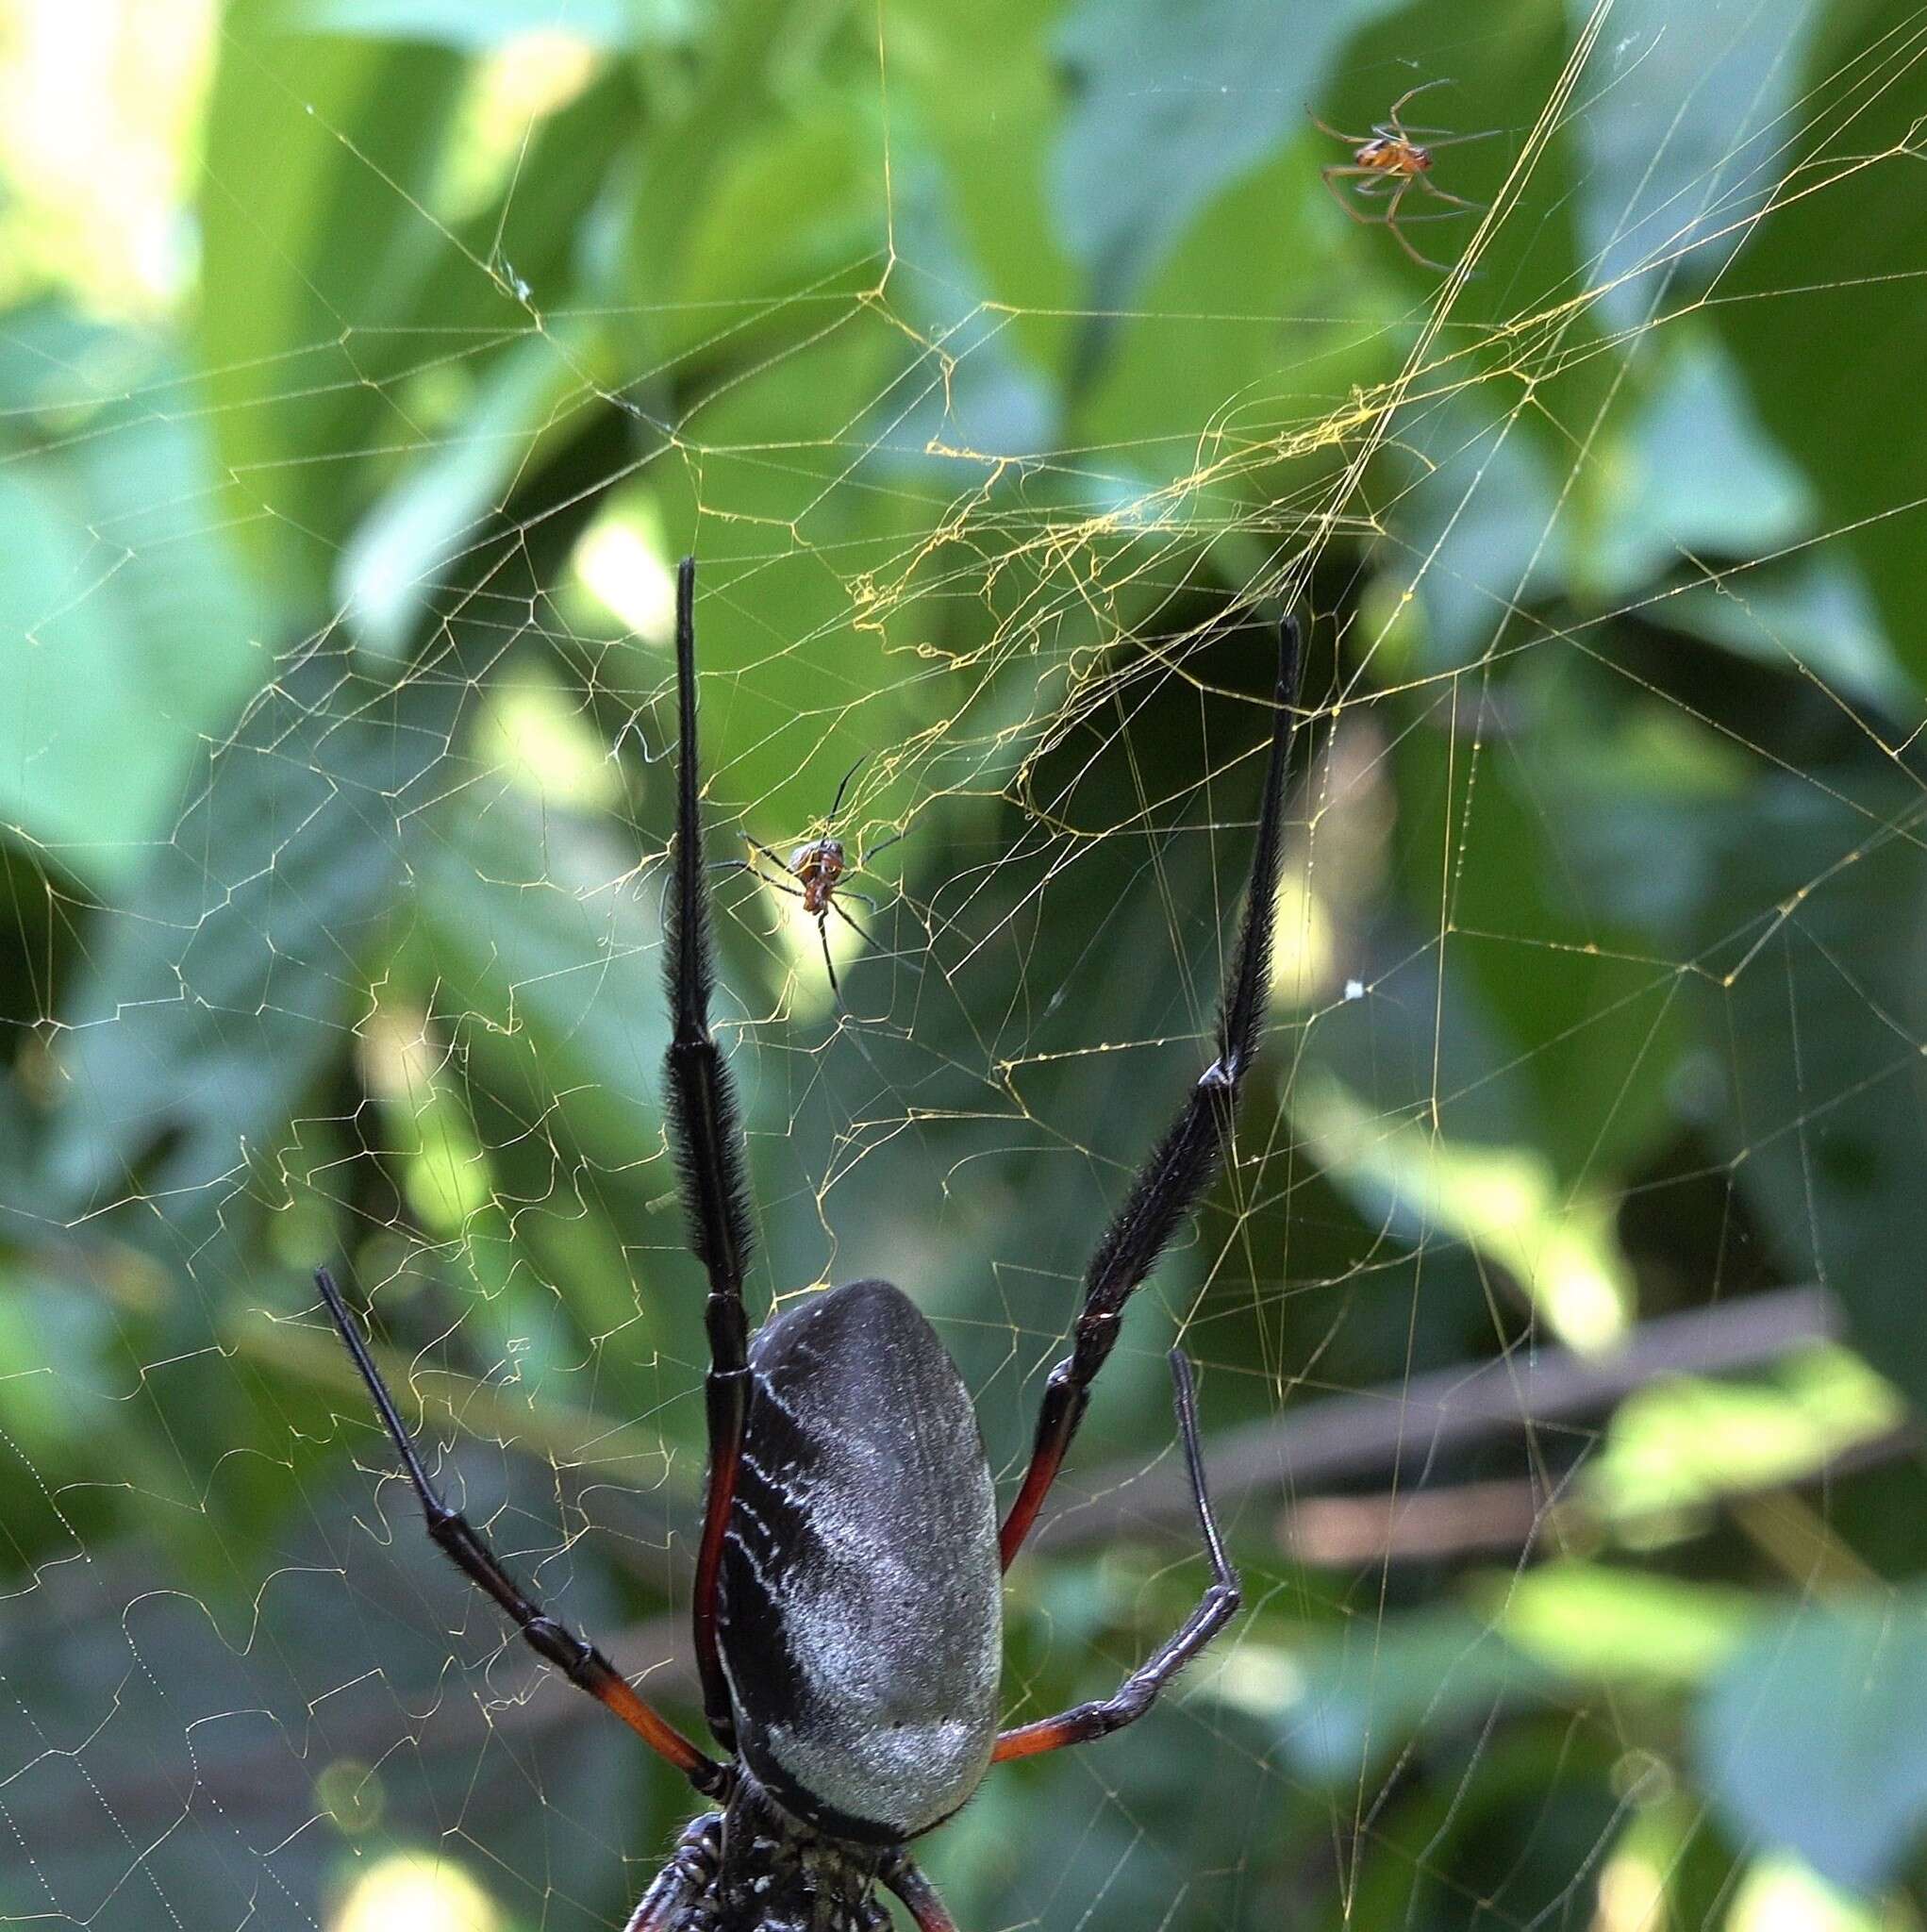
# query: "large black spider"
[849,1629]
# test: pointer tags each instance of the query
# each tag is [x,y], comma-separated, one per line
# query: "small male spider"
[848,1602]
[1389,160]
[818,867]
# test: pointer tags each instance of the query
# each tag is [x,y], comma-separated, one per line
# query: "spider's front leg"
[1169,1184]
[706,1137]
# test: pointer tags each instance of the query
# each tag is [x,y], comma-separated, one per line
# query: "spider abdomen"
[862,1611]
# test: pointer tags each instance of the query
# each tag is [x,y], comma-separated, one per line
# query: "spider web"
[368,364]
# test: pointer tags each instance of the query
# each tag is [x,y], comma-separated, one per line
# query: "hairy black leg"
[1219,1604]
[466,1547]
[1167,1186]
[708,1139]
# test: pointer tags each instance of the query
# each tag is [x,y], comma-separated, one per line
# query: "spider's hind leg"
[1426,187]
[822,935]
[1216,1608]
[899,1874]
[1412,94]
[691,1872]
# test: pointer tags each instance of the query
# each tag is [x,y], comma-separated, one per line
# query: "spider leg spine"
[1444,136]
[823,939]
[1412,94]
[867,938]
[1332,177]
[763,850]
[884,845]
[782,864]
[1437,194]
[1390,220]
[836,804]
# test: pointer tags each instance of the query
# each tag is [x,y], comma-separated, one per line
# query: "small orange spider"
[818,867]
[1390,159]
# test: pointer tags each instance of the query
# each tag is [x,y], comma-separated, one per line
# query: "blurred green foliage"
[1000,363]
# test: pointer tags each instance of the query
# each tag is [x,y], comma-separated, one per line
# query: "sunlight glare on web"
[1782,1895]
[621,562]
[1305,951]
[535,736]
[414,1892]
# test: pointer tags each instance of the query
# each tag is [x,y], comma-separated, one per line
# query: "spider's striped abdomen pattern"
[861,1597]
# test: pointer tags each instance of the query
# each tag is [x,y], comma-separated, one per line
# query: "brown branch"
[1405,1425]
[1507,1518]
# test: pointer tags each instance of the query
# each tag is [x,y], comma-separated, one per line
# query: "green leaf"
[1479,528]
[1505,1203]
[465,23]
[1820,310]
[1681,132]
[795,205]
[990,145]
[1693,476]
[1810,948]
[1208,89]
[125,634]
[1689,1441]
[1620,1628]
[233,970]
[450,500]
[144,1675]
[1814,1737]
[692,138]
[1551,997]
[540,938]
[1811,609]
[1343,1703]
[1782,1892]
[318,237]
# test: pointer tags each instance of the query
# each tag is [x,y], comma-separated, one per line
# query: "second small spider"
[814,873]
[1389,160]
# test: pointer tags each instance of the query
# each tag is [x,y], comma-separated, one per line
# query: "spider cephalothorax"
[819,865]
[755,1865]
[848,1604]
